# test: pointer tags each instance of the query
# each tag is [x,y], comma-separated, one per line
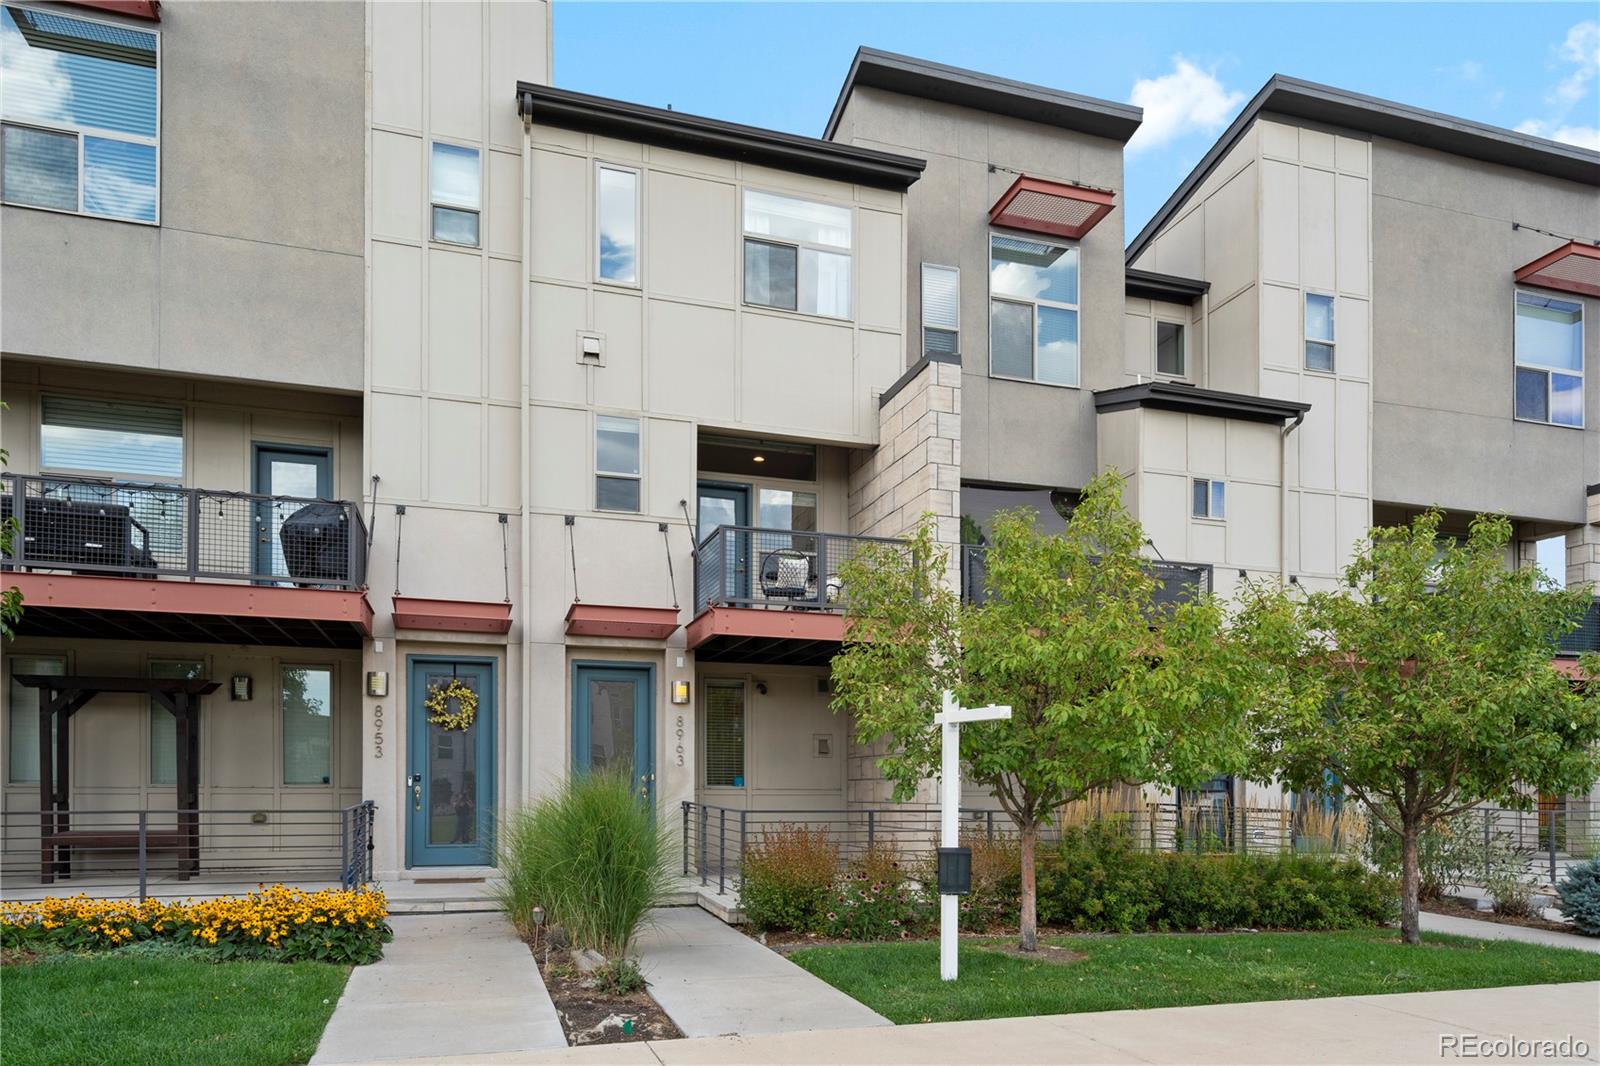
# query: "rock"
[1483,903]
[588,960]
[596,1033]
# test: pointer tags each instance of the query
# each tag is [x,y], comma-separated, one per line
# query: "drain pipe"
[525,363]
[1283,497]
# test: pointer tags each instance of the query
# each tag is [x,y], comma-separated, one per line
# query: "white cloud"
[1188,100]
[31,80]
[1581,48]
[1466,70]
[1582,136]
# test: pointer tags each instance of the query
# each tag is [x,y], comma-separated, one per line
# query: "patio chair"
[786,575]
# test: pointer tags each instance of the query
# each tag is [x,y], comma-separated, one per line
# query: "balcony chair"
[787,574]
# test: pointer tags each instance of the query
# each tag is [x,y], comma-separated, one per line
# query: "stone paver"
[449,984]
[1449,923]
[713,980]
[1403,1028]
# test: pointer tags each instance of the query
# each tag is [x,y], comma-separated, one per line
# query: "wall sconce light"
[240,688]
[680,692]
[377,682]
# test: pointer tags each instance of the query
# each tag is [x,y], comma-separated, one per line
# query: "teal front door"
[450,780]
[613,703]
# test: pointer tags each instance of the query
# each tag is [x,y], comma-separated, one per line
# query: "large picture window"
[1033,310]
[79,115]
[797,254]
[1549,360]
[110,437]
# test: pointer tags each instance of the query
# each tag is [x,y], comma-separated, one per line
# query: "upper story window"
[1033,310]
[1210,498]
[110,437]
[1319,332]
[616,463]
[455,182]
[797,254]
[1170,357]
[1549,360]
[617,225]
[941,310]
[80,112]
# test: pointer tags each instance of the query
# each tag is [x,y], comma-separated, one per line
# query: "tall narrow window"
[22,726]
[456,188]
[797,254]
[1033,310]
[1549,360]
[1170,356]
[1319,332]
[1210,498]
[163,727]
[617,225]
[616,463]
[307,694]
[941,310]
[79,105]
[725,734]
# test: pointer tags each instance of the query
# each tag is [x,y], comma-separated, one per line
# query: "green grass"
[901,980]
[136,1010]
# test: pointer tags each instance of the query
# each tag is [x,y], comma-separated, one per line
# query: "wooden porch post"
[180,712]
[47,799]
[63,716]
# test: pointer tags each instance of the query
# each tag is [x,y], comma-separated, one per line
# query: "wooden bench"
[100,840]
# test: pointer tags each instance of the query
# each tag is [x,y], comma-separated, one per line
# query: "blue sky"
[1191,65]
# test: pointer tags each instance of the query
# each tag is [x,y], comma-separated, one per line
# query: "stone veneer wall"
[1583,547]
[915,470]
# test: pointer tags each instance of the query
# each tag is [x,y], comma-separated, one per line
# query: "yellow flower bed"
[335,925]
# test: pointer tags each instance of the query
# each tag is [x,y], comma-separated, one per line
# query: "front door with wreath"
[450,793]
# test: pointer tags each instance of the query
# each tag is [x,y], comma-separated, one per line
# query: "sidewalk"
[1449,923]
[449,984]
[1355,1029]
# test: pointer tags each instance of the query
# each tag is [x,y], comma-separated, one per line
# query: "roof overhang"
[605,620]
[1574,267]
[149,10]
[452,616]
[773,638]
[1148,285]
[928,80]
[1051,207]
[548,106]
[1170,396]
[122,608]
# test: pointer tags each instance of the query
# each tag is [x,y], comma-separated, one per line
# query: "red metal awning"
[753,635]
[1574,267]
[453,616]
[1051,207]
[150,10]
[603,620]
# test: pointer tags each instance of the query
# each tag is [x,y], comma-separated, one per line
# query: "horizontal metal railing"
[1178,580]
[64,852]
[139,529]
[749,566]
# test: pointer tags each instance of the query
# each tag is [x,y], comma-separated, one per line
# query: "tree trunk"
[1030,889]
[1410,884]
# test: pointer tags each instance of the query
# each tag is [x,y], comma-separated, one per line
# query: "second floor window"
[1033,310]
[456,189]
[797,254]
[1549,360]
[941,310]
[617,225]
[1169,349]
[1210,498]
[110,437]
[616,463]
[1319,332]
[79,111]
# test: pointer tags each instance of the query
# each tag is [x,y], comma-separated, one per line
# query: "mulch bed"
[1456,909]
[591,1015]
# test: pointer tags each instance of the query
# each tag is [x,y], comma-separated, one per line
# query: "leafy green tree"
[1425,688]
[1106,685]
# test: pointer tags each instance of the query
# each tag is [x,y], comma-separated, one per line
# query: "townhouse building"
[402,383]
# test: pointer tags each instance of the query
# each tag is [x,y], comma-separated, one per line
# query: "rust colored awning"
[1051,207]
[751,635]
[124,608]
[150,10]
[604,620]
[453,616]
[1574,267]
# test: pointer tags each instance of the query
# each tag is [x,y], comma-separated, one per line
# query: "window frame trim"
[1307,339]
[80,131]
[477,212]
[852,253]
[597,473]
[1518,364]
[1035,304]
[706,683]
[1211,483]
[600,166]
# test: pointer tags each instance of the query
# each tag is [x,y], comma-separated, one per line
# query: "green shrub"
[789,875]
[1447,853]
[1094,879]
[1578,897]
[1505,873]
[593,856]
[996,897]
[874,910]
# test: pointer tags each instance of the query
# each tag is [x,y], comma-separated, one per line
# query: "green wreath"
[438,705]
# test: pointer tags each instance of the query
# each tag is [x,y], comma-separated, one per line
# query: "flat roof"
[564,108]
[984,92]
[1295,98]
[1193,400]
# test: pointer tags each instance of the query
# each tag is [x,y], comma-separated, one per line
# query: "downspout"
[525,363]
[1283,496]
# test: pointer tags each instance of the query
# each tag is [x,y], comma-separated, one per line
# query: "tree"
[1426,687]
[10,598]
[1106,685]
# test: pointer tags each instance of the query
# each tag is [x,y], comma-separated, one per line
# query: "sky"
[1190,66]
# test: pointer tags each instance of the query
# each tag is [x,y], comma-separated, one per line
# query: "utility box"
[955,871]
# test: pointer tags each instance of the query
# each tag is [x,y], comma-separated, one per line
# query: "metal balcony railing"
[745,566]
[138,529]
[1587,636]
[1178,580]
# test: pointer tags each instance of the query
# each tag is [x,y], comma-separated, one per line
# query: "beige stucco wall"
[1139,340]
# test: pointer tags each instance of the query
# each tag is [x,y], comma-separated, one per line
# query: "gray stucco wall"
[256,268]
[1011,432]
[1444,252]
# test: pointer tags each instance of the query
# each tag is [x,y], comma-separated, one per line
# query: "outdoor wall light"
[240,687]
[680,692]
[377,682]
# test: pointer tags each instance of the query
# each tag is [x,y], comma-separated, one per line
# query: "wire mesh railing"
[139,529]
[1177,580]
[748,566]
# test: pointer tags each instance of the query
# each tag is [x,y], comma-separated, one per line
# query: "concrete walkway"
[713,980]
[449,984]
[1449,923]
[1408,1028]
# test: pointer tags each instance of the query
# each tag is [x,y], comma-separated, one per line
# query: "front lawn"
[900,980]
[138,1010]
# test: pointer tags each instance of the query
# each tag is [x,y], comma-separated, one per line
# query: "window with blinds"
[22,726]
[111,437]
[941,310]
[725,729]
[163,727]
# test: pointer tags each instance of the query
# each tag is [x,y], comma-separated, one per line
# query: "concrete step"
[724,906]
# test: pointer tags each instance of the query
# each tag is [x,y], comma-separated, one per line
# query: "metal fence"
[1177,580]
[748,566]
[133,850]
[136,529]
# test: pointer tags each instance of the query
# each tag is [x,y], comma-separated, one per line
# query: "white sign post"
[949,721]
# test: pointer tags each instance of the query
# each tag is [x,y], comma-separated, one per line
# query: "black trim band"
[1148,285]
[1170,396]
[916,368]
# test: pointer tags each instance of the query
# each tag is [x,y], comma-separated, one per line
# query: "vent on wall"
[822,745]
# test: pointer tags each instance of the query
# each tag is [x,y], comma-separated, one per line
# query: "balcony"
[142,560]
[1587,636]
[1178,580]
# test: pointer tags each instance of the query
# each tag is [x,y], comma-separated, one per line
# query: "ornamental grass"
[276,922]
